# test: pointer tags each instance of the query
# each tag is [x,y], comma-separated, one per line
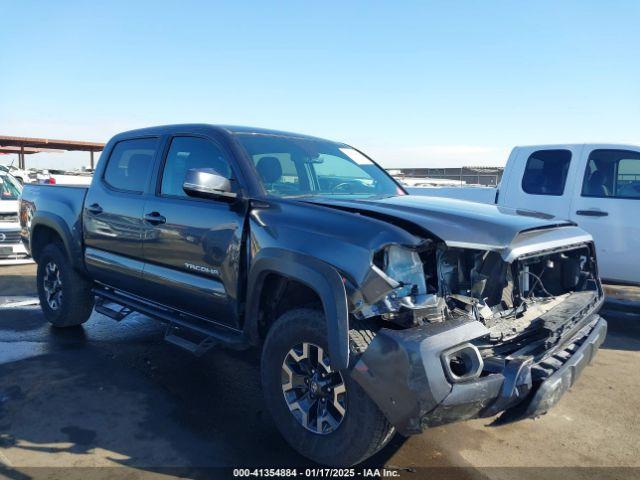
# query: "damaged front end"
[466,332]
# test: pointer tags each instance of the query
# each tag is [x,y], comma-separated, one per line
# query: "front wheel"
[322,413]
[65,296]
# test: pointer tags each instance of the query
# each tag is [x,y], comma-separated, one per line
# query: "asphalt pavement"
[114,394]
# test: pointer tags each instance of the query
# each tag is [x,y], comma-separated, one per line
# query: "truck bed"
[58,204]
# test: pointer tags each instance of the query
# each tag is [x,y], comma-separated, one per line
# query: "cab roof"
[206,127]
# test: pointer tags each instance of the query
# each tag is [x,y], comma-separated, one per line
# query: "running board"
[101,307]
[198,348]
[191,333]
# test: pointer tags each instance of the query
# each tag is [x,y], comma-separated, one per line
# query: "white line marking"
[13,302]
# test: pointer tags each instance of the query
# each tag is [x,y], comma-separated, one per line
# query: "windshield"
[9,187]
[293,166]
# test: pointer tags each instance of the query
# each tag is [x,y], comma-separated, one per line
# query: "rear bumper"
[402,371]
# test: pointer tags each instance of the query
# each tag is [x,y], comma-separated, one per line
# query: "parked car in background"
[11,248]
[375,310]
[49,176]
[66,177]
[595,185]
[31,175]
[63,177]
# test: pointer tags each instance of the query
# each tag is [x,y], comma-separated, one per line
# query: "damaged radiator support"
[531,299]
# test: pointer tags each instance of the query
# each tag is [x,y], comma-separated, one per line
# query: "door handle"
[592,213]
[94,208]
[154,218]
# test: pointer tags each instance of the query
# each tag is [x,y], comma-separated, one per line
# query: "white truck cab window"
[546,172]
[612,174]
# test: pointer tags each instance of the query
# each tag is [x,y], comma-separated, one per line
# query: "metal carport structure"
[26,145]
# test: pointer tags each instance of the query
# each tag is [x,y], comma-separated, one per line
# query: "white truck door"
[536,179]
[607,205]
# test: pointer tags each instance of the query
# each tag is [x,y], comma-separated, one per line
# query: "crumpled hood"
[458,223]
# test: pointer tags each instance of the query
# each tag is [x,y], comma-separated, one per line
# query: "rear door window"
[546,172]
[612,174]
[130,164]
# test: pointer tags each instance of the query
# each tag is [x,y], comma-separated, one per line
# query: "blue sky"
[411,83]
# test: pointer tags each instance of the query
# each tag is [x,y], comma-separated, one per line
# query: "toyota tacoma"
[375,311]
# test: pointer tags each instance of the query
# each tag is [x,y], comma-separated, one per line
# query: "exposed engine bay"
[530,299]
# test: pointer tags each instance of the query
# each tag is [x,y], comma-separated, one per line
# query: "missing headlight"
[404,266]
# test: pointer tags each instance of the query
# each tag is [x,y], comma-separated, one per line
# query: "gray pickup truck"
[375,311]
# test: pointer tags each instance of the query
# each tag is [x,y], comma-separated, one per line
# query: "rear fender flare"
[317,275]
[58,225]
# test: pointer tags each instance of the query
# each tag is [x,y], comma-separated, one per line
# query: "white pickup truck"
[595,185]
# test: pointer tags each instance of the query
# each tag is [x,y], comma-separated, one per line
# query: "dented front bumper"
[403,372]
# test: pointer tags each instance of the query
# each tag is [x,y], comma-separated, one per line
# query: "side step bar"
[101,307]
[190,333]
[195,347]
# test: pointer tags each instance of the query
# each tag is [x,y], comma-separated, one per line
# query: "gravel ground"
[112,394]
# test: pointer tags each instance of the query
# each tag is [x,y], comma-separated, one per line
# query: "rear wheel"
[322,412]
[65,296]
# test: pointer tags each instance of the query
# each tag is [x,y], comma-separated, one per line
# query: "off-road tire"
[364,430]
[76,302]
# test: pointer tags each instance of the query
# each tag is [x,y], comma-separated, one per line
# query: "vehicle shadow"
[115,394]
[146,409]
[623,330]
[106,390]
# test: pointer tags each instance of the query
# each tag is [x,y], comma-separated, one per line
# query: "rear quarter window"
[546,172]
[130,163]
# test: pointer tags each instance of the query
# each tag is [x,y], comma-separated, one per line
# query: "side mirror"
[207,183]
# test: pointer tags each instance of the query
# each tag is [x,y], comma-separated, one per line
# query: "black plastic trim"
[317,275]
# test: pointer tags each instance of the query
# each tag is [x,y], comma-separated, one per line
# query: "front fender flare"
[317,275]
